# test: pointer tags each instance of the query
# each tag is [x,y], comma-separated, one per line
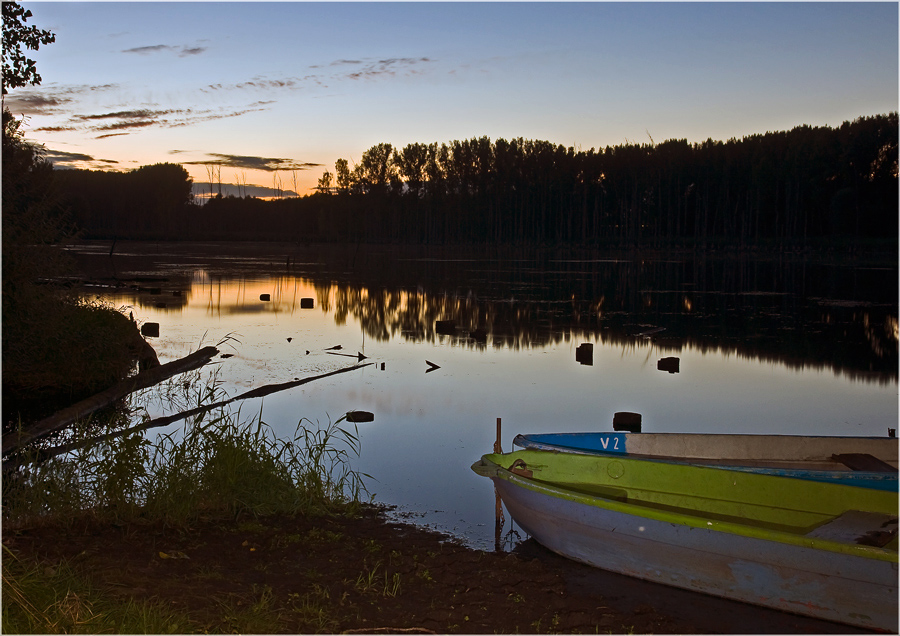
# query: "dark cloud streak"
[128,114]
[182,51]
[247,162]
[146,50]
[63,159]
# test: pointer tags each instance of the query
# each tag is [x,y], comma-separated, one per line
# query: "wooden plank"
[863,461]
[858,526]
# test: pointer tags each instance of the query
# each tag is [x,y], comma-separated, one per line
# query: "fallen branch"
[15,441]
[262,391]
[389,630]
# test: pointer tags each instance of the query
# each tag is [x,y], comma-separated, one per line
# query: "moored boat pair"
[820,548]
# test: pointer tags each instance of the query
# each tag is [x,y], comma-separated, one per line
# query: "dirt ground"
[372,575]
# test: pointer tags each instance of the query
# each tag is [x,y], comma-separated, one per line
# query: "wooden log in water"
[14,441]
[171,419]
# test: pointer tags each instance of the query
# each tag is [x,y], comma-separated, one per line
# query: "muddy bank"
[369,574]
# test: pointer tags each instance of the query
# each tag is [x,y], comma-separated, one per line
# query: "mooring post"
[498,511]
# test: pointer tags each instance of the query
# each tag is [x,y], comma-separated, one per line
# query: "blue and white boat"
[867,462]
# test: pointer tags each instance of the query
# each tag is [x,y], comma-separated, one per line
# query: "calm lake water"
[764,346]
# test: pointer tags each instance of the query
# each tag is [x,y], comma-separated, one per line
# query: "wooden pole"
[498,510]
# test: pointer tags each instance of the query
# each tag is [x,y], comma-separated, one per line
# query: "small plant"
[392,585]
[255,616]
[365,582]
[372,546]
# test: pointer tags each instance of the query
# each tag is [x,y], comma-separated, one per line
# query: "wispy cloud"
[63,159]
[127,114]
[249,162]
[52,99]
[338,70]
[259,83]
[33,103]
[181,51]
[63,102]
[390,67]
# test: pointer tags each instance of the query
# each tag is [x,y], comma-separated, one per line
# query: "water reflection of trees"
[805,315]
[859,343]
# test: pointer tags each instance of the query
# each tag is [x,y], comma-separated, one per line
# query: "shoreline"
[439,585]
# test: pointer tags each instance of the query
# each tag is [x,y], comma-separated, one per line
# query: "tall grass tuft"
[218,467]
[222,467]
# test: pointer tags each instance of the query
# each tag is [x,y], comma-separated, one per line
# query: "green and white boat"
[820,549]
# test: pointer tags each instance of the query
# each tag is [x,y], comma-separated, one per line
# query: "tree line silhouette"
[805,187]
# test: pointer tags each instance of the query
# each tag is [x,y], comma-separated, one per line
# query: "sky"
[281,90]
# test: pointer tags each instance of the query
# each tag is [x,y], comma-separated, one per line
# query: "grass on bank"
[220,468]
[42,599]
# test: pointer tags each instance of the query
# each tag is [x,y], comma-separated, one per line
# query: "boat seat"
[864,461]
[860,527]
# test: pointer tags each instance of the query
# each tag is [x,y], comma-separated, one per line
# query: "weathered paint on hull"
[831,586]
[796,456]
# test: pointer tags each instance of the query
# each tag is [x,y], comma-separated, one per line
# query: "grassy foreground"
[219,469]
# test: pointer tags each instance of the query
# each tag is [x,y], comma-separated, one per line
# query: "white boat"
[823,550]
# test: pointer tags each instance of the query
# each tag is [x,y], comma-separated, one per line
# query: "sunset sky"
[294,86]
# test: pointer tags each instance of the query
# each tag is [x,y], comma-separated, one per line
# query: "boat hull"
[796,456]
[795,578]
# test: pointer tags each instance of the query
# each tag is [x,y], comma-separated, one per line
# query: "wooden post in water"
[498,511]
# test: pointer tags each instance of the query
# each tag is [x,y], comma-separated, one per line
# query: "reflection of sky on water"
[430,427]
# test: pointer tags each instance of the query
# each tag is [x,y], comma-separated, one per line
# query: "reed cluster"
[218,466]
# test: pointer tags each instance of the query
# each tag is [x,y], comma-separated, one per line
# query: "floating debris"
[584,354]
[627,421]
[307,303]
[150,329]
[360,357]
[265,297]
[360,416]
[431,366]
[669,364]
